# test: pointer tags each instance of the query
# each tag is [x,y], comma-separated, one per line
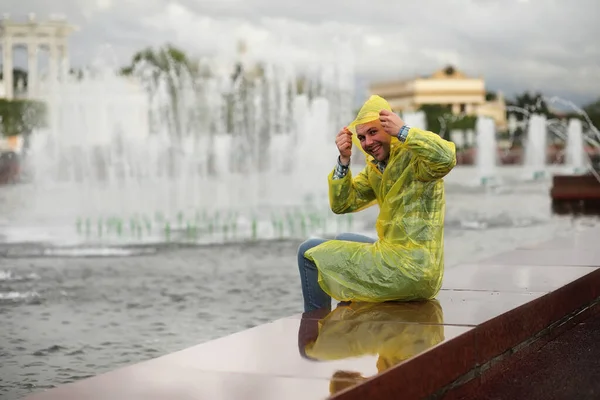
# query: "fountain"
[165,155]
[458,137]
[470,138]
[416,119]
[486,157]
[575,150]
[535,148]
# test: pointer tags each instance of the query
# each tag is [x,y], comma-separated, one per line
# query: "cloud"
[516,45]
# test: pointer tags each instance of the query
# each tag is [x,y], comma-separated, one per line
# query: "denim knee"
[309,244]
[354,237]
[344,236]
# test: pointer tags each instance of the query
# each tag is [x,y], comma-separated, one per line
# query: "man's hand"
[390,122]
[343,141]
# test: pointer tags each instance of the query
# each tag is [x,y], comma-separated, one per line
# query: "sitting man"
[403,175]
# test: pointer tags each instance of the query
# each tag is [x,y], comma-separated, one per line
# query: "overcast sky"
[547,45]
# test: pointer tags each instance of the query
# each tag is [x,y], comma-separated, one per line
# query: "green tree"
[435,115]
[18,76]
[172,65]
[490,96]
[522,106]
[441,120]
[529,103]
[21,118]
[166,59]
[593,112]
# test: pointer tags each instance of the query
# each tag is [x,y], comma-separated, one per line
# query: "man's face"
[374,140]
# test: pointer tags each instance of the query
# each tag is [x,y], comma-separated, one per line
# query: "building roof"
[448,72]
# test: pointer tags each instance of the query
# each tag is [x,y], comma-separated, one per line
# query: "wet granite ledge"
[485,314]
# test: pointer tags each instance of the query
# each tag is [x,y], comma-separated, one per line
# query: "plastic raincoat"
[407,261]
[393,331]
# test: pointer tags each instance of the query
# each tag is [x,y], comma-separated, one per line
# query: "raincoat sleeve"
[348,194]
[435,157]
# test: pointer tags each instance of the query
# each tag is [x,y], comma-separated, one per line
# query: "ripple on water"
[14,297]
[47,351]
[8,276]
[36,364]
[77,252]
[138,306]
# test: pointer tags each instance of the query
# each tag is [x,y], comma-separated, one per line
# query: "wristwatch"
[403,133]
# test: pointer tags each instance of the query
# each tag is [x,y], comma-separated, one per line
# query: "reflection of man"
[393,331]
[404,172]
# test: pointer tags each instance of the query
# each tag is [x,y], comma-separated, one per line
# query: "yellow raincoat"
[407,261]
[393,331]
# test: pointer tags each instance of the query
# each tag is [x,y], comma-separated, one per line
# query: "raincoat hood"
[369,112]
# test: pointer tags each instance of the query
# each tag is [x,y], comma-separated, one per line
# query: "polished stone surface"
[363,346]
[513,278]
[459,307]
[579,249]
[582,241]
[413,349]
[473,308]
[346,347]
[161,379]
[548,257]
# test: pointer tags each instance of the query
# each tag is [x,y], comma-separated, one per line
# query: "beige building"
[447,86]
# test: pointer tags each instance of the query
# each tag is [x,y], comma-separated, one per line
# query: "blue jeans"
[314,296]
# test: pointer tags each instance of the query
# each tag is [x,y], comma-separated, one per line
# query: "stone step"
[484,315]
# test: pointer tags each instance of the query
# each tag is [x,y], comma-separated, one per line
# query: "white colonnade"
[34,35]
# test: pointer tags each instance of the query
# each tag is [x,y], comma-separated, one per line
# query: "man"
[403,175]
